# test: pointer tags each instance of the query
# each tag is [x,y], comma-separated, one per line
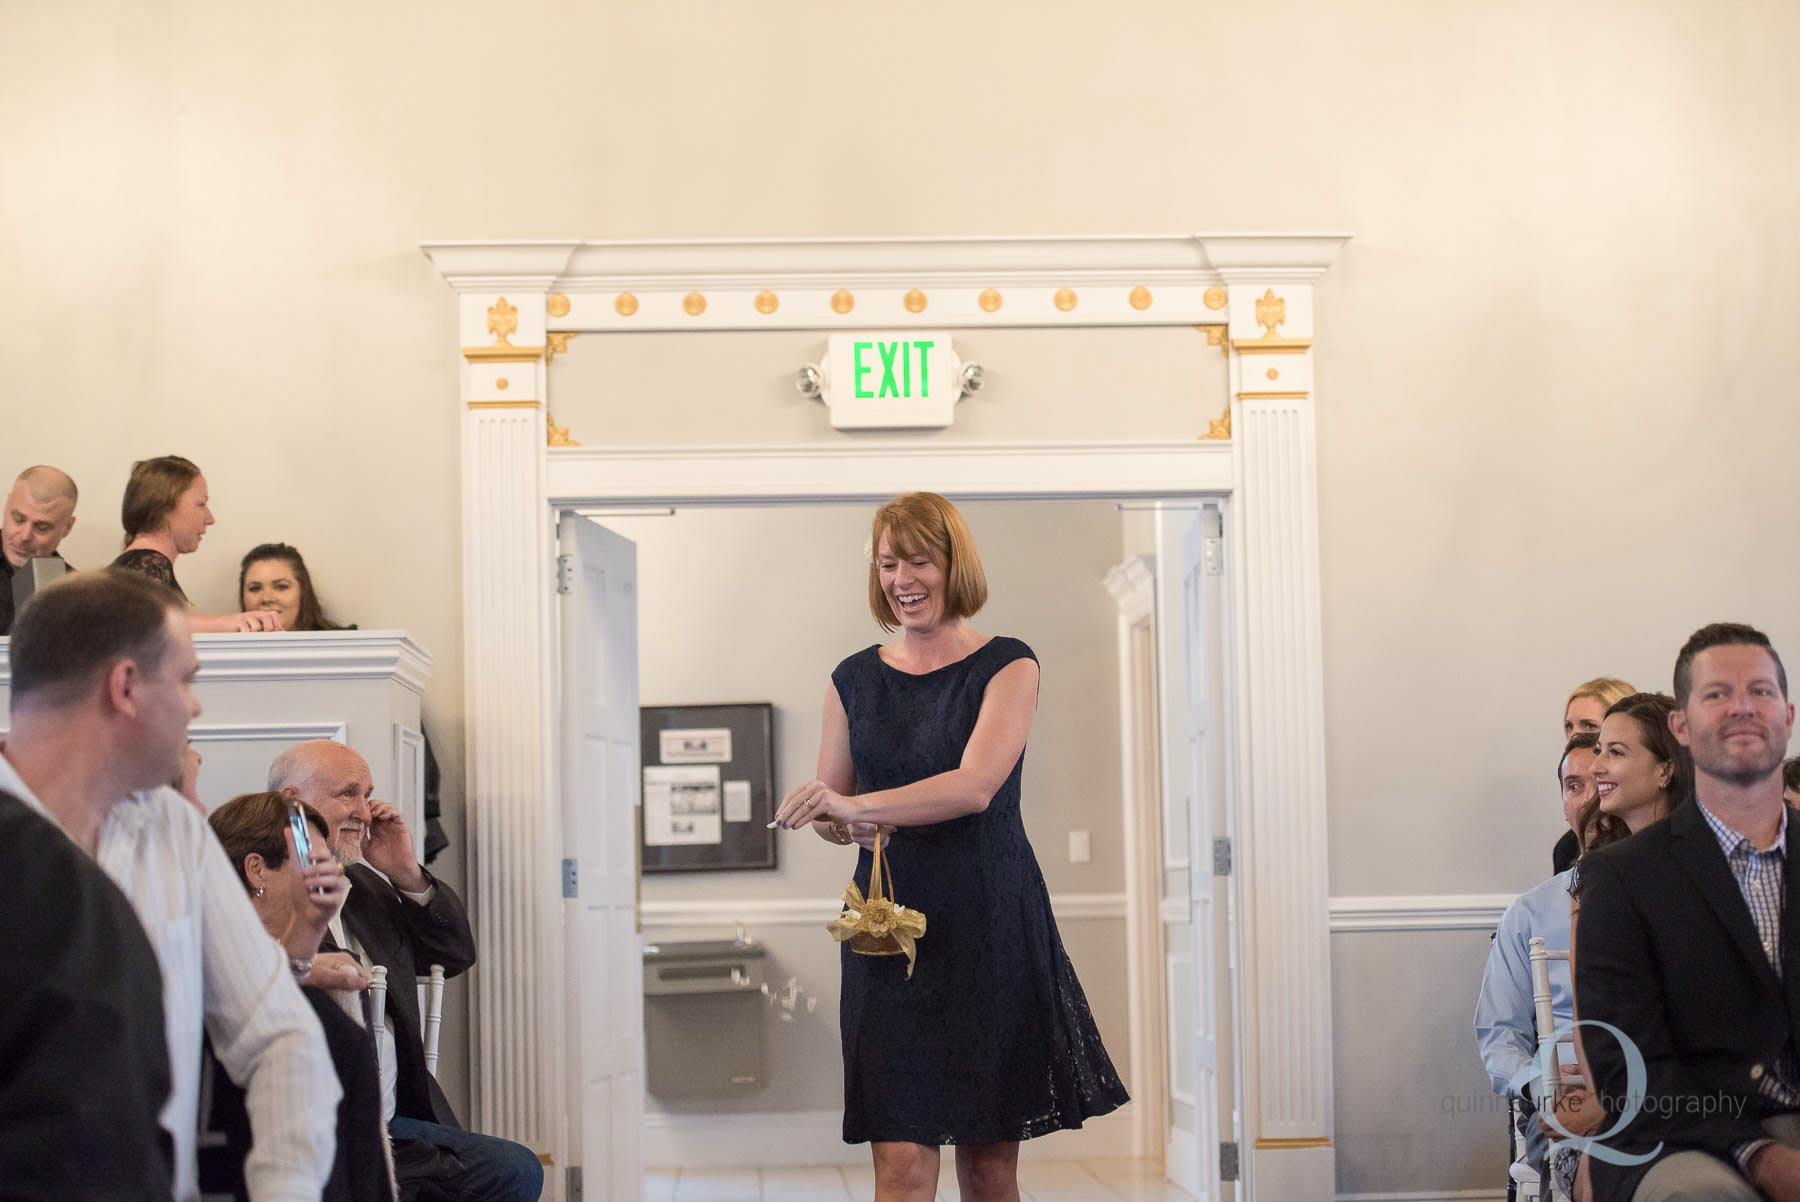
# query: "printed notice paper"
[737,801]
[681,805]
[696,746]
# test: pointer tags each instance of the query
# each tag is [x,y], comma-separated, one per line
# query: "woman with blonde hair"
[1587,705]
[1582,714]
[990,1041]
[165,514]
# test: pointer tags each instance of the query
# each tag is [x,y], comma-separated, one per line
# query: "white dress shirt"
[385,1061]
[219,966]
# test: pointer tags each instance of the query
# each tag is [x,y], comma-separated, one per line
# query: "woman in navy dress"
[990,1040]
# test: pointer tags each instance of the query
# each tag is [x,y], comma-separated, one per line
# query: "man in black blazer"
[1685,947]
[407,920]
[81,1027]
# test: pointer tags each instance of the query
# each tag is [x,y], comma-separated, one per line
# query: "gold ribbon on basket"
[878,925]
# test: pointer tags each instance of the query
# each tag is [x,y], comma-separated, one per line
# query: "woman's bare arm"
[1007,711]
[836,770]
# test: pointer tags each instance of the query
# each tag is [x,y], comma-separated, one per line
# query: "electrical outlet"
[1081,848]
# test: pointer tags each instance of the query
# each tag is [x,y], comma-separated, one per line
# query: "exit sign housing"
[875,380]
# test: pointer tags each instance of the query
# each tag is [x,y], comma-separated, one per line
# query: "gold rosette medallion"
[878,925]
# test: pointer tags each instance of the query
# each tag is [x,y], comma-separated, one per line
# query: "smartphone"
[302,835]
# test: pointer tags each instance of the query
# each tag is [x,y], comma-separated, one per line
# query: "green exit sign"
[882,380]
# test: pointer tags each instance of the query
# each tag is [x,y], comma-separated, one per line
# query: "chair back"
[1541,956]
[431,1007]
[378,987]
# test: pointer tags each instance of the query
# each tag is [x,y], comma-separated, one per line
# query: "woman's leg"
[905,1172]
[988,1172]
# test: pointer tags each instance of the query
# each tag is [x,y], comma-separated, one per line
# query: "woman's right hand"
[319,888]
[253,621]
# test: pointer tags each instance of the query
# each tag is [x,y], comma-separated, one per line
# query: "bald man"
[406,920]
[40,512]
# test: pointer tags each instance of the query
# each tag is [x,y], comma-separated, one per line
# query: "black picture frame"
[683,808]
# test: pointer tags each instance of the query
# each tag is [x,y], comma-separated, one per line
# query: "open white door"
[604,967]
[1190,549]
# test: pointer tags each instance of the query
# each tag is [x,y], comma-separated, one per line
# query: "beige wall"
[762,604]
[1554,372]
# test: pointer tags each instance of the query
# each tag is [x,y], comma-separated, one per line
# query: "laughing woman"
[990,1041]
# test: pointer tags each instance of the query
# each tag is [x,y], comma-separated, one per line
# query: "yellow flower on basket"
[877,925]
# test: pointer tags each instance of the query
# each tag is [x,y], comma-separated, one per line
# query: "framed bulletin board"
[709,787]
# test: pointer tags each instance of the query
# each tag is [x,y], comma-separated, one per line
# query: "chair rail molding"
[1420,912]
[1252,291]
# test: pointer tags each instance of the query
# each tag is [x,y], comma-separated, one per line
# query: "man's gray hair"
[293,768]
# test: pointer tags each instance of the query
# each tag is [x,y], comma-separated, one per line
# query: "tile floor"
[1039,1181]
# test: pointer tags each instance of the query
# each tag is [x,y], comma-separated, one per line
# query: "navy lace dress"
[991,1040]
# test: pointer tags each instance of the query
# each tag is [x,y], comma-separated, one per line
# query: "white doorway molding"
[516,300]
[1133,588]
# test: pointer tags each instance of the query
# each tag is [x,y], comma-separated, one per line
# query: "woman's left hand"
[814,802]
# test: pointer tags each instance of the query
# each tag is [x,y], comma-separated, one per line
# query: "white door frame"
[519,302]
[1132,584]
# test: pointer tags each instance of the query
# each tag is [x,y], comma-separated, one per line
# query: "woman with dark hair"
[296,910]
[165,514]
[273,578]
[1641,773]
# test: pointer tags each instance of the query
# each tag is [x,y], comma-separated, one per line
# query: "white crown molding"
[315,655]
[877,471]
[1419,912]
[482,266]
[953,275]
[264,732]
[301,655]
[788,912]
[1199,257]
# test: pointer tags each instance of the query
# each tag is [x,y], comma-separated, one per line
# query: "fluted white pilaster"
[508,559]
[1283,854]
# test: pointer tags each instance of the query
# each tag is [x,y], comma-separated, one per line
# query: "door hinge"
[565,575]
[571,887]
[572,1180]
[1213,557]
[1228,1162]
[1221,857]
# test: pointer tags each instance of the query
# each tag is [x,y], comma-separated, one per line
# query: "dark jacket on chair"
[408,939]
[1666,951]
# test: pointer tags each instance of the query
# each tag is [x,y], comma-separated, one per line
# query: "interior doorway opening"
[747,602]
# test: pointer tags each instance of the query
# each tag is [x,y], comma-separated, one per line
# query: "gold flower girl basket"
[878,925]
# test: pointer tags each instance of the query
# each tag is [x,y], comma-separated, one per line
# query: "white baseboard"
[799,1138]
[1181,1160]
[783,911]
[1455,1195]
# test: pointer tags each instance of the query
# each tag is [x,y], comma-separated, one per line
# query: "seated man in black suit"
[407,922]
[1680,947]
